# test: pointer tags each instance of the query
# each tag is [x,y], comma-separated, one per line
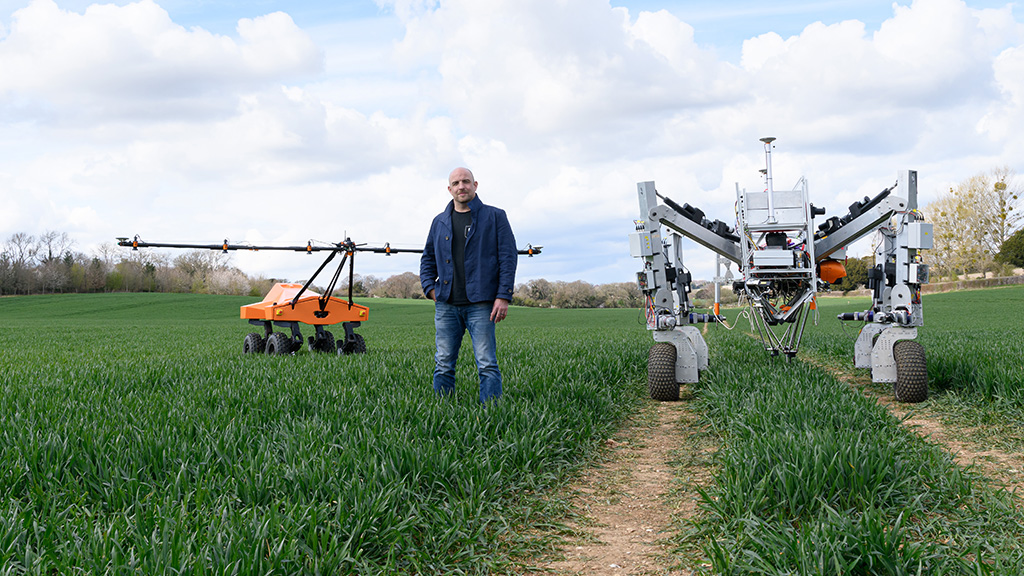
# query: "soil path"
[1005,469]
[627,504]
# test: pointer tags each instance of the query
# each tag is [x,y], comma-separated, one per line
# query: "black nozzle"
[831,225]
[722,229]
[690,213]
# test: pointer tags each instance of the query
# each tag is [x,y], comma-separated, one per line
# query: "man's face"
[461,186]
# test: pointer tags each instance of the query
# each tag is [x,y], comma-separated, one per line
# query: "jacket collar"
[474,206]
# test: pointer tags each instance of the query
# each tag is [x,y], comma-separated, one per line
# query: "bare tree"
[404,285]
[95,275]
[578,294]
[371,285]
[54,246]
[1002,205]
[202,262]
[200,265]
[618,295]
[228,281]
[973,220]
[54,275]
[108,255]
[536,292]
[171,279]
[22,249]
[957,248]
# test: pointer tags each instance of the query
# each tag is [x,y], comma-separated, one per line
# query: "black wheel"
[324,344]
[356,346]
[661,372]
[911,372]
[278,343]
[253,343]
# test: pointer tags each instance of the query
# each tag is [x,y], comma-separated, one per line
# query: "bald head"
[462,187]
[459,174]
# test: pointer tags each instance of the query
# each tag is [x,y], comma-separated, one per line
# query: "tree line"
[49,264]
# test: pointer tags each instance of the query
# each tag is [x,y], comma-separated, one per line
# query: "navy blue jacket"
[491,255]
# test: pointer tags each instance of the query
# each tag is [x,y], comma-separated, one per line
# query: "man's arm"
[508,258]
[428,265]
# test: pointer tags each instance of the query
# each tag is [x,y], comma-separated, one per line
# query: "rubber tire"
[661,372]
[325,344]
[278,344]
[253,343]
[911,372]
[357,346]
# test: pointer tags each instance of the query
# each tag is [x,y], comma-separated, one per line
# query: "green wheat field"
[136,438]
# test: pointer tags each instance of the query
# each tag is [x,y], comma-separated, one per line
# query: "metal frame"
[896,309]
[779,280]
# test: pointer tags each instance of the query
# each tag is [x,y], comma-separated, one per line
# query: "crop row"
[813,478]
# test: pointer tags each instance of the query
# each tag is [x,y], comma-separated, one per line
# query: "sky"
[273,122]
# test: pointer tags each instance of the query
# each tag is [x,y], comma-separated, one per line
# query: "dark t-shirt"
[461,221]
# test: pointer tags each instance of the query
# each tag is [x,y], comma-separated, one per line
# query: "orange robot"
[286,307]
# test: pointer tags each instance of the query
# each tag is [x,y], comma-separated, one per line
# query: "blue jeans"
[451,323]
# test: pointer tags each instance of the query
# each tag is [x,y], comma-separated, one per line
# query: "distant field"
[136,437]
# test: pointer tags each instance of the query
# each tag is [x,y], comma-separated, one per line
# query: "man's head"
[462,186]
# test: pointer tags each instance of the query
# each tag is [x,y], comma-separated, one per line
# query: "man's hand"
[431,295]
[500,310]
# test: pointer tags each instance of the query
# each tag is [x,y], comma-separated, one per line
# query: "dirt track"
[628,504]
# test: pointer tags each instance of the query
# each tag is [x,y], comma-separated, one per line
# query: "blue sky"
[280,122]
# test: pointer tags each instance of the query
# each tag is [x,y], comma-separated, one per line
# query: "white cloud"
[837,86]
[132,62]
[1006,114]
[562,73]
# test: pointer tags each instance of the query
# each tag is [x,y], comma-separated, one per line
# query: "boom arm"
[136,243]
[347,247]
[859,227]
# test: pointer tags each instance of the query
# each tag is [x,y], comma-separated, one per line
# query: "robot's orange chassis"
[290,305]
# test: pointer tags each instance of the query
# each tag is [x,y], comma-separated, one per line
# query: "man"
[468,269]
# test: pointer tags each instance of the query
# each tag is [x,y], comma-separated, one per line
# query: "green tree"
[856,273]
[1012,250]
